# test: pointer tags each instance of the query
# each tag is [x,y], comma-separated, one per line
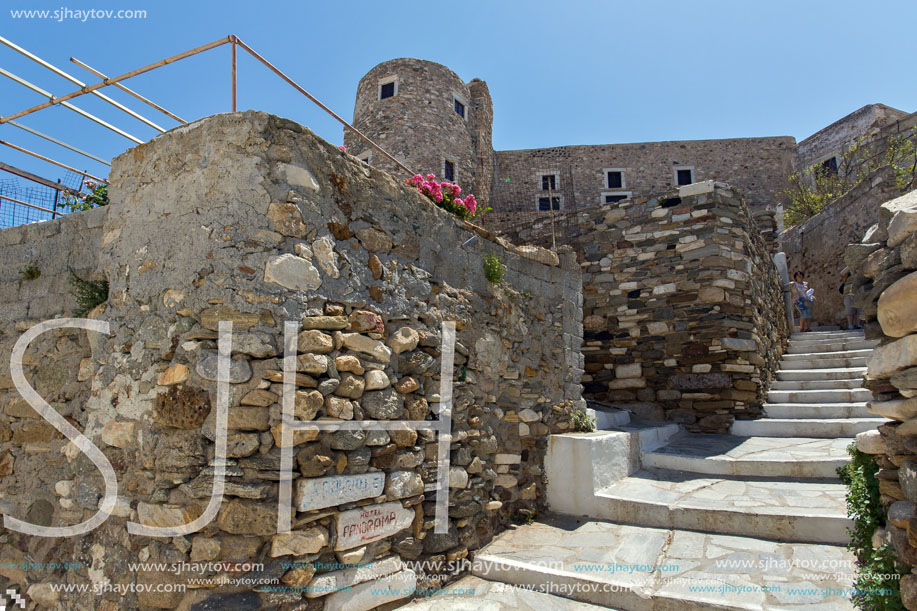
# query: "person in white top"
[804,298]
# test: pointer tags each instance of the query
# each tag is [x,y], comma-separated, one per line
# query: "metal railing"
[117,82]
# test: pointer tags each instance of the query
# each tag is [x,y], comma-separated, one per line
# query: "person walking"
[846,289]
[804,297]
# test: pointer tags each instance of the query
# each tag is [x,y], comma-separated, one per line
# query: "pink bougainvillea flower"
[431,176]
[343,148]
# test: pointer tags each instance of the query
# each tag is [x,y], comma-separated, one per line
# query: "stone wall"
[757,166]
[252,219]
[817,246]
[683,310]
[834,139]
[885,273]
[53,247]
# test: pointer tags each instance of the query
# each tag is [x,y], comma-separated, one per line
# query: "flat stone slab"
[475,594]
[813,510]
[634,567]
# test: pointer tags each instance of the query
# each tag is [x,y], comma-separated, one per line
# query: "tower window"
[615,179]
[388,87]
[549,182]
[684,176]
[449,170]
[459,105]
[829,166]
[548,203]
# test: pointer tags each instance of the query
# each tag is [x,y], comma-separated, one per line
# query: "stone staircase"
[652,517]
[818,391]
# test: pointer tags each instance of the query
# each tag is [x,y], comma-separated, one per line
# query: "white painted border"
[605,172]
[683,167]
[541,174]
[543,194]
[386,81]
[464,102]
[627,194]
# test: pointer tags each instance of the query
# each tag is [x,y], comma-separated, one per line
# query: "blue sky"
[572,72]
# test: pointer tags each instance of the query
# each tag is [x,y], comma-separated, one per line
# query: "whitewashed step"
[804,427]
[829,346]
[817,410]
[750,456]
[836,395]
[837,373]
[814,511]
[844,354]
[818,362]
[600,563]
[843,334]
[820,384]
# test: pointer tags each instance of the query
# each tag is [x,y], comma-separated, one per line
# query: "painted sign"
[371,523]
[332,491]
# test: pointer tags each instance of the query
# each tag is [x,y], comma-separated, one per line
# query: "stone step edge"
[812,468]
[622,595]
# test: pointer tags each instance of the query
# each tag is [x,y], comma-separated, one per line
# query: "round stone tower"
[429,119]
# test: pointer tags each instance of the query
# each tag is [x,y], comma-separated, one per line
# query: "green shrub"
[582,423]
[873,590]
[97,196]
[493,269]
[89,293]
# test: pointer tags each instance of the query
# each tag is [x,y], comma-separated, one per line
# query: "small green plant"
[97,196]
[525,516]
[493,269]
[31,272]
[875,586]
[89,293]
[582,423]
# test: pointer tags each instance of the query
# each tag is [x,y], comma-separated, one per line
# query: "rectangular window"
[549,182]
[615,180]
[449,170]
[459,108]
[387,90]
[545,203]
[684,176]
[829,166]
[615,196]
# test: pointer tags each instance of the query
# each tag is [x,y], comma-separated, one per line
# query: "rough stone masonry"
[252,219]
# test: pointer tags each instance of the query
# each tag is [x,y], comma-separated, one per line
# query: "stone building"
[431,120]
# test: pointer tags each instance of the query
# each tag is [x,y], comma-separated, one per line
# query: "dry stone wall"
[683,310]
[885,273]
[251,219]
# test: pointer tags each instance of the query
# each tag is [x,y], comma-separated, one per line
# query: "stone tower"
[426,116]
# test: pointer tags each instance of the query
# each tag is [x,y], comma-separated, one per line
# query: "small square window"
[829,166]
[545,203]
[684,176]
[549,182]
[615,179]
[449,170]
[459,108]
[387,90]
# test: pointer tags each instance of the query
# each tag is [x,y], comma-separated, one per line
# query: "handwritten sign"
[332,491]
[371,523]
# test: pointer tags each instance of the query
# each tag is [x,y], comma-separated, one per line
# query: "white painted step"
[830,346]
[836,373]
[820,384]
[817,410]
[606,564]
[822,362]
[843,334]
[812,511]
[807,427]
[750,456]
[835,395]
[844,354]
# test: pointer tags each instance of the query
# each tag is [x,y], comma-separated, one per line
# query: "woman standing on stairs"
[803,297]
